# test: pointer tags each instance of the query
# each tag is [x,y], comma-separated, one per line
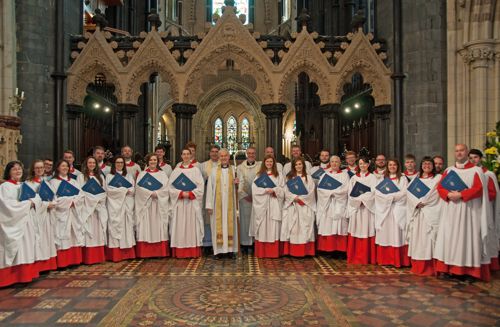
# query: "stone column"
[381,120]
[274,126]
[329,114]
[183,125]
[125,114]
[59,76]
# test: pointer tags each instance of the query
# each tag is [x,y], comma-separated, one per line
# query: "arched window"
[218,137]
[241,7]
[245,133]
[232,133]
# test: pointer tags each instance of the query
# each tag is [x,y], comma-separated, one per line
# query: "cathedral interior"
[371,76]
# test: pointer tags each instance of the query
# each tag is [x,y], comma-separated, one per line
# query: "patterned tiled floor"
[247,291]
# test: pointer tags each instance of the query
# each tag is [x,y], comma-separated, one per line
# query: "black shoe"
[217,256]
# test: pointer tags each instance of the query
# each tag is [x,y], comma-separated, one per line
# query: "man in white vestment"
[69,156]
[99,154]
[221,206]
[132,168]
[324,164]
[206,170]
[296,153]
[463,227]
[380,166]
[246,174]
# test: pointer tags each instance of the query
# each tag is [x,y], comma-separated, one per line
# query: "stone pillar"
[398,76]
[125,114]
[274,126]
[329,114]
[59,76]
[381,120]
[75,132]
[183,125]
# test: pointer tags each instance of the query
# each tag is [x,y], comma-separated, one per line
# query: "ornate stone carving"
[473,54]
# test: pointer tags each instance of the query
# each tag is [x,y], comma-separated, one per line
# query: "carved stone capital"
[184,110]
[478,55]
[273,110]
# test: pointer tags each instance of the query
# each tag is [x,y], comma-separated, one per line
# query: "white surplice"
[186,222]
[246,175]
[331,216]
[94,214]
[361,209]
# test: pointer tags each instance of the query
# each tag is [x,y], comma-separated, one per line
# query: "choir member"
[380,166]
[265,225]
[390,218]
[192,147]
[206,170]
[297,229]
[45,246]
[69,156]
[410,167]
[269,151]
[17,230]
[94,214]
[220,203]
[121,238]
[296,154]
[331,216]
[186,222]
[152,211]
[162,161]
[246,172]
[48,166]
[324,164]
[438,164]
[463,226]
[492,208]
[132,168]
[424,213]
[350,159]
[66,216]
[361,211]
[99,153]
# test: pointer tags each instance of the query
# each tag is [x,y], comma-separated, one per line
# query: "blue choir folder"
[387,186]
[150,183]
[26,192]
[92,187]
[45,192]
[296,186]
[183,183]
[358,189]
[318,173]
[264,181]
[418,188]
[329,183]
[72,176]
[453,182]
[67,189]
[119,181]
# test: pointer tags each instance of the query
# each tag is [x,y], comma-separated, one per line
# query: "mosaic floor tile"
[5,314]
[81,283]
[34,317]
[52,304]
[103,293]
[31,292]
[76,318]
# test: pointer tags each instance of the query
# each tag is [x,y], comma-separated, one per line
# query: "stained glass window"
[232,132]
[218,132]
[241,7]
[245,133]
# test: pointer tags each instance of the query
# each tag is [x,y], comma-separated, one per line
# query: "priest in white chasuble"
[221,206]
[17,231]
[246,174]
[206,170]
[186,187]
[463,228]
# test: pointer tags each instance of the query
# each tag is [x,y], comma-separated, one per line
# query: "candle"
[22,95]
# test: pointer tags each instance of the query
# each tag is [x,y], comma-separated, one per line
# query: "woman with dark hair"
[186,222]
[121,238]
[297,229]
[94,213]
[152,211]
[17,237]
[424,212]
[66,215]
[267,203]
[390,217]
[45,247]
[361,208]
